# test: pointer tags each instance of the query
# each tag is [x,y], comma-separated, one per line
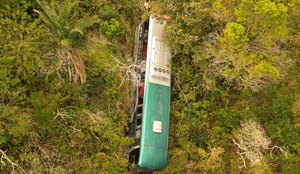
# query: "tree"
[68,31]
[248,51]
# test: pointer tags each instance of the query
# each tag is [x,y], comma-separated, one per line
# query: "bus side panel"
[134,95]
[154,139]
[156,112]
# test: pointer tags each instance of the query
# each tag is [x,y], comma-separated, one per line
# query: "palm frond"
[76,30]
[86,22]
[66,42]
[67,10]
[48,16]
[69,5]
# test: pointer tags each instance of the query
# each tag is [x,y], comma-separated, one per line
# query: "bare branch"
[251,141]
[13,165]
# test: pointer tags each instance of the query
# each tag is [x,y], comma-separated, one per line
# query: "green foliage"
[279,119]
[264,19]
[17,131]
[291,166]
[248,53]
[234,35]
[68,31]
[220,49]
[111,28]
[45,106]
[48,125]
[262,167]
[19,56]
[190,159]
[222,52]
[60,19]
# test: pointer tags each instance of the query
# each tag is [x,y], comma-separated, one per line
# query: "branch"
[184,95]
[13,165]
[241,154]
[278,150]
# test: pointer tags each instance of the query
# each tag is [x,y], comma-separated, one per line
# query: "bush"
[111,28]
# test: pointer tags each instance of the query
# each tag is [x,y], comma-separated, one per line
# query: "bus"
[150,107]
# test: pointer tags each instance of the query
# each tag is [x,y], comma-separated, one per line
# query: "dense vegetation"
[65,85]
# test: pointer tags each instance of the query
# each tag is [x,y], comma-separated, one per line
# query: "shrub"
[111,28]
[251,141]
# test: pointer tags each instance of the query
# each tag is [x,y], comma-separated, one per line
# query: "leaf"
[76,30]
[65,42]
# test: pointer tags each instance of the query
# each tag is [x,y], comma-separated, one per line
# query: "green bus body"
[153,141]
[154,146]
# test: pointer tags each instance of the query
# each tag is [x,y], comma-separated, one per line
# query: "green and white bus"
[150,111]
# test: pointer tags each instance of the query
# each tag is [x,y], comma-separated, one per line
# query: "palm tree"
[68,31]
